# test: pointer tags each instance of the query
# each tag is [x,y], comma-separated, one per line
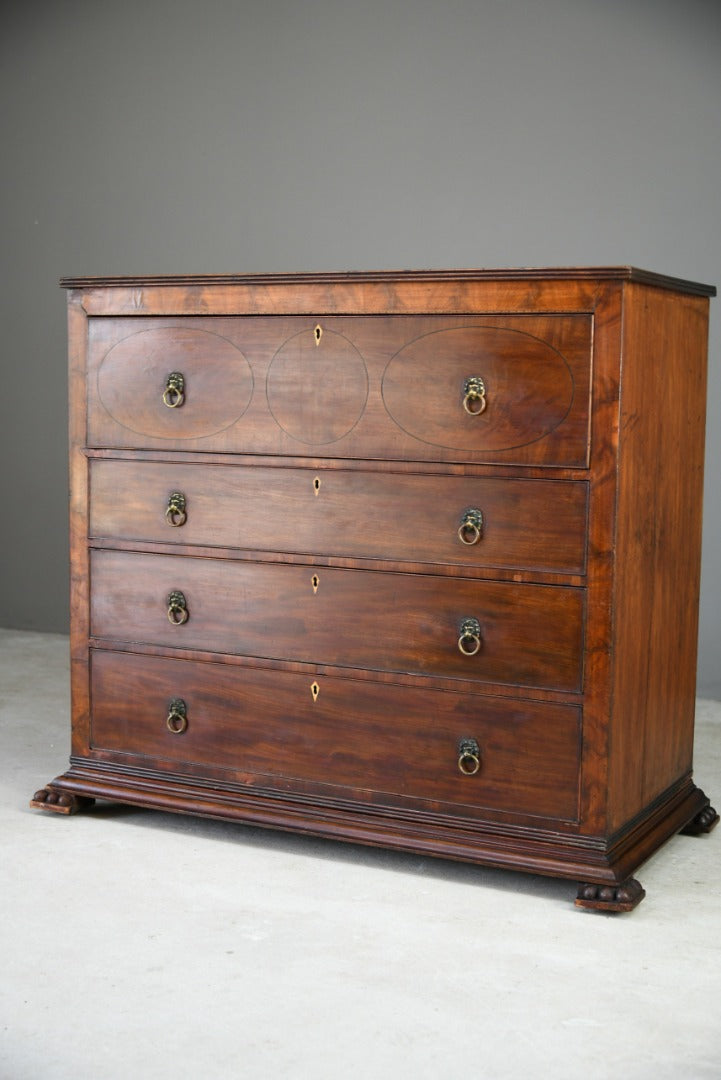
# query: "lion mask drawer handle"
[178,608]
[474,395]
[174,393]
[470,530]
[176,514]
[177,721]
[469,757]
[469,641]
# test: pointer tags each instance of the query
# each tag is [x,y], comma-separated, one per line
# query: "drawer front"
[528,635]
[523,524]
[497,389]
[282,730]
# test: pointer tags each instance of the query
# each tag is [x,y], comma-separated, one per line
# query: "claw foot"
[61,802]
[623,897]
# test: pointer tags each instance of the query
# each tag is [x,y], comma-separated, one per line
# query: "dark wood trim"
[601,273]
[484,843]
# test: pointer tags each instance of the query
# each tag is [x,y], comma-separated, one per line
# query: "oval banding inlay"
[218,382]
[317,389]
[528,385]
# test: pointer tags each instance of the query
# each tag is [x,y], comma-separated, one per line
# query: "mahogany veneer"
[408,559]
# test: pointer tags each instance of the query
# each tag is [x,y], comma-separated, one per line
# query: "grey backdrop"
[160,136]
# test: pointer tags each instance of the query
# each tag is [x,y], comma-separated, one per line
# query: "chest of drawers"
[409,560]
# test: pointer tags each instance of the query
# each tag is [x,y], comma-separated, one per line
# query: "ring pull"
[470,530]
[474,395]
[178,609]
[177,721]
[469,757]
[469,641]
[174,393]
[176,514]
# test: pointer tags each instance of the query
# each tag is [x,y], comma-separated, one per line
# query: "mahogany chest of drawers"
[409,560]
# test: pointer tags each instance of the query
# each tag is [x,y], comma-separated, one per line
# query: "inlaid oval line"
[317,389]
[217,383]
[528,384]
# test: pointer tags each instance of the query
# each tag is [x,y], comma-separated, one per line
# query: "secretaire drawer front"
[511,389]
[415,623]
[285,730]
[486,522]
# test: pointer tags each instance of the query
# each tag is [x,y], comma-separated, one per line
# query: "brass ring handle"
[177,721]
[469,641]
[474,395]
[174,393]
[469,757]
[177,609]
[176,514]
[470,530]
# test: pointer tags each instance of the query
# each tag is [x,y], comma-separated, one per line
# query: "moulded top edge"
[602,273]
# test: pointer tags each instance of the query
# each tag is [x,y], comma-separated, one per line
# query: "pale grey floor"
[141,945]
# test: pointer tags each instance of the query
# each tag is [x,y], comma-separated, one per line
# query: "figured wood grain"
[133,375]
[268,730]
[658,537]
[528,389]
[268,385]
[526,525]
[532,635]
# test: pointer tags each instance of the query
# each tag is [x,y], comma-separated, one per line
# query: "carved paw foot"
[702,823]
[623,897]
[61,802]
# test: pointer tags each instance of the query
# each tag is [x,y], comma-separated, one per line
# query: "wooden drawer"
[530,634]
[381,387]
[524,524]
[266,728]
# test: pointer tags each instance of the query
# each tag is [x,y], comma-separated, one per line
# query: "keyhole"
[316,485]
[318,333]
[314,691]
[315,582]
